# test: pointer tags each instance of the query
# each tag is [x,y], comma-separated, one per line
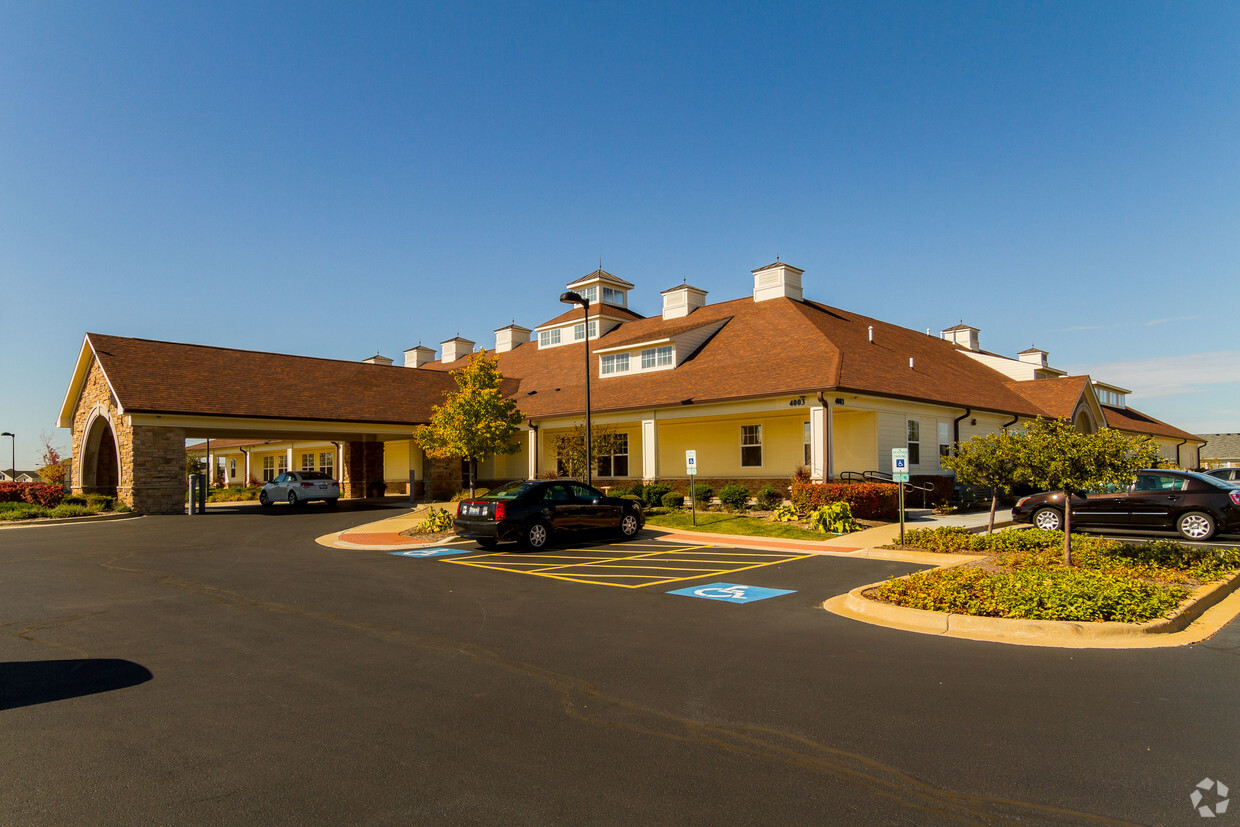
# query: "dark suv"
[1196,505]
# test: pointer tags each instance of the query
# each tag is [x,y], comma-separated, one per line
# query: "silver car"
[1226,474]
[298,487]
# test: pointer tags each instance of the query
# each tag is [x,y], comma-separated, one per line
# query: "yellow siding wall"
[855,441]
[718,445]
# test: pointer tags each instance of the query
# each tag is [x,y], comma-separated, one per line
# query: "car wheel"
[487,544]
[1048,519]
[263,499]
[292,499]
[629,525]
[1195,526]
[537,535]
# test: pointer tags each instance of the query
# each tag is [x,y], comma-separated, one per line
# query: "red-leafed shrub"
[35,493]
[866,500]
[42,493]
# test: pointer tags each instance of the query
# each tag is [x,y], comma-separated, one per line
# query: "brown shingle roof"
[166,377]
[1056,397]
[1130,419]
[596,310]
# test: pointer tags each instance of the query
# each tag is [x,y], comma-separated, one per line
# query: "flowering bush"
[866,500]
[35,493]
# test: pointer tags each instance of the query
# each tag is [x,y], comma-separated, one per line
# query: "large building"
[757,386]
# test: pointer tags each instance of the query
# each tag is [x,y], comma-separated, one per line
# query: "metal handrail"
[883,476]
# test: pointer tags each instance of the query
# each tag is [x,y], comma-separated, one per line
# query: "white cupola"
[777,281]
[964,336]
[506,338]
[455,348]
[416,357]
[682,300]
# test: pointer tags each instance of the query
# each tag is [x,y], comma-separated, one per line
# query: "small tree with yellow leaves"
[475,422]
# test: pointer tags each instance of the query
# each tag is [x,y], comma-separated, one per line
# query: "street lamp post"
[13,437]
[571,297]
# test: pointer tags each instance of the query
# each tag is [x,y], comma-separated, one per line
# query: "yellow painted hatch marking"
[650,568]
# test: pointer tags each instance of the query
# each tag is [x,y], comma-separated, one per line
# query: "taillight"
[499,511]
[1235,496]
[307,485]
[458,507]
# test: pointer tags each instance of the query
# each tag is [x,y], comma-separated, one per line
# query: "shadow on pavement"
[26,683]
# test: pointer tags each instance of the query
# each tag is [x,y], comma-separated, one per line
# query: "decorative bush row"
[866,500]
[35,493]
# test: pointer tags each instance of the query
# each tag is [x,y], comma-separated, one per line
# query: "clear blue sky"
[340,179]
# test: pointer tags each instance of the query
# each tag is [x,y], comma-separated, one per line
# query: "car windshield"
[509,490]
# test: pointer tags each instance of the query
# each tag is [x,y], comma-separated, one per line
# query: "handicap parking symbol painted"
[732,592]
[430,552]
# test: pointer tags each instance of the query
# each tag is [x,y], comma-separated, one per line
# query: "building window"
[307,462]
[282,463]
[808,439]
[617,464]
[613,296]
[579,331]
[751,446]
[269,469]
[325,462]
[232,469]
[615,363]
[945,440]
[657,357]
[549,337]
[590,294]
[914,442]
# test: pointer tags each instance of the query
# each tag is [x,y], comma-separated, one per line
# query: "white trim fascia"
[81,370]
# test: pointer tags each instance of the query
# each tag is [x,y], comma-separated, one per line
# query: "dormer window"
[615,363]
[547,338]
[1115,400]
[657,356]
[579,331]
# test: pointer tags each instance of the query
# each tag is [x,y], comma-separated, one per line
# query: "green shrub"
[11,511]
[101,502]
[768,498]
[122,507]
[61,511]
[673,499]
[703,493]
[833,518]
[73,501]
[653,493]
[784,514]
[628,496]
[734,497]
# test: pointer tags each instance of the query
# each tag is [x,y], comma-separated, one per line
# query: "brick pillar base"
[445,478]
[362,471]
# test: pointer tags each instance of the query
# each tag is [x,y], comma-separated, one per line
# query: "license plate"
[475,510]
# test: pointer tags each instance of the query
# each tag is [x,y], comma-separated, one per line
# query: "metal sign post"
[691,467]
[899,474]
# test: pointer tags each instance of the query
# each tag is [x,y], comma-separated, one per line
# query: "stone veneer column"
[153,469]
[445,478]
[361,469]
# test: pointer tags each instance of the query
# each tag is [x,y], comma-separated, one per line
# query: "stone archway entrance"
[100,464]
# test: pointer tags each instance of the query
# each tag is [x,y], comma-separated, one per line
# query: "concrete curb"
[1193,622]
[92,518]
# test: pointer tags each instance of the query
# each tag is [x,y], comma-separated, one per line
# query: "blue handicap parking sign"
[732,592]
[430,552]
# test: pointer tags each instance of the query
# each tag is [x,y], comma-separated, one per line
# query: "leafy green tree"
[194,464]
[475,422]
[1054,456]
[55,468]
[988,461]
[570,448]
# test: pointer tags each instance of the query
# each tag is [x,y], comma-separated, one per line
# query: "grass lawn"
[723,523]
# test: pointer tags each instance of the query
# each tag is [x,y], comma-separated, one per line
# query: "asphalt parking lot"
[228,668]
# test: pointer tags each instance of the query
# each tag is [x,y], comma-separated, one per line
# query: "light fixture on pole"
[14,446]
[570,297]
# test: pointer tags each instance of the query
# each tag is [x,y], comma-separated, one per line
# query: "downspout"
[956,426]
[338,473]
[245,466]
[1007,425]
[1177,452]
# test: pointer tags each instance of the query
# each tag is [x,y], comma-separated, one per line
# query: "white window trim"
[759,445]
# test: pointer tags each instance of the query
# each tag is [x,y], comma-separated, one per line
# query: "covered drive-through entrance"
[133,403]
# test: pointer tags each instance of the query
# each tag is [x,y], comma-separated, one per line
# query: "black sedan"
[1196,505]
[532,511]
